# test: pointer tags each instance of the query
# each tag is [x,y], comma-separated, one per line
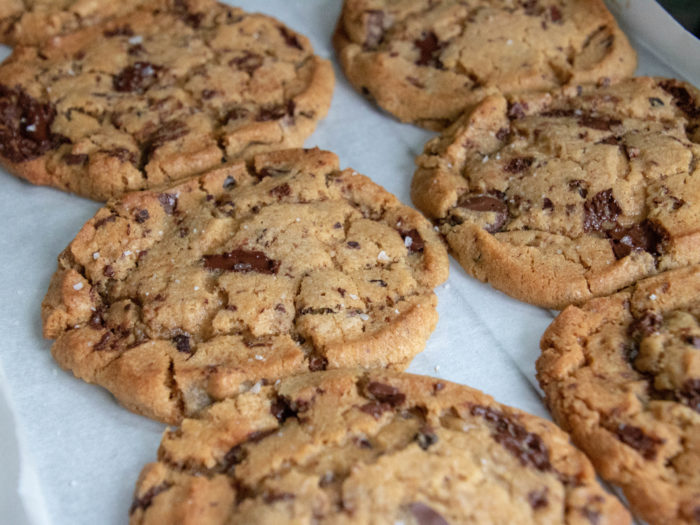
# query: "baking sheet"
[71,455]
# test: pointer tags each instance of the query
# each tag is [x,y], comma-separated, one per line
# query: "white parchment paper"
[71,455]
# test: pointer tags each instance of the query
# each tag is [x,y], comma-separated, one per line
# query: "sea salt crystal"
[136,39]
[78,286]
[364,317]
[383,256]
[96,255]
[258,357]
[408,241]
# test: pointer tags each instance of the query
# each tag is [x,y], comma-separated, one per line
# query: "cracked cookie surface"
[347,446]
[173,299]
[32,22]
[160,94]
[426,61]
[554,199]
[622,374]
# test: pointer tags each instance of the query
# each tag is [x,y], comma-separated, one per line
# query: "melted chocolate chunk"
[526,446]
[282,409]
[169,202]
[375,408]
[141,216]
[538,499]
[599,123]
[690,393]
[426,438]
[280,191]
[233,457]
[416,244]
[503,134]
[646,325]
[276,112]
[247,62]
[426,515]
[243,261]
[558,113]
[555,15]
[182,343]
[636,438]
[386,393]
[73,160]
[430,48]
[25,126]
[124,30]
[96,319]
[110,218]
[600,209]
[486,203]
[137,77]
[123,154]
[682,98]
[645,236]
[354,245]
[235,114]
[145,501]
[379,282]
[167,132]
[518,164]
[317,362]
[289,38]
[374,28]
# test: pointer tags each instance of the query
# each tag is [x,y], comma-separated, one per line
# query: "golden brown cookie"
[173,299]
[346,446]
[622,374]
[32,22]
[554,199]
[426,61]
[162,93]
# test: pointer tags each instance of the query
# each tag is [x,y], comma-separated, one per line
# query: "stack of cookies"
[265,301]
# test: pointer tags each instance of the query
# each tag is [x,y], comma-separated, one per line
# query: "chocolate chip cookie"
[426,61]
[369,447]
[165,92]
[31,22]
[622,374]
[557,198]
[173,299]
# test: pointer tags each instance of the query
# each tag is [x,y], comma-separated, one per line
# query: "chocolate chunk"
[547,204]
[426,438]
[235,114]
[25,126]
[141,216]
[247,62]
[645,236]
[169,202]
[425,515]
[599,210]
[526,446]
[276,112]
[145,501]
[354,245]
[636,438]
[555,15]
[581,186]
[538,498]
[430,48]
[282,409]
[137,77]
[73,160]
[124,30]
[611,140]
[486,203]
[519,164]
[656,102]
[386,393]
[108,271]
[413,241]
[167,132]
[682,98]
[280,191]
[693,340]
[289,38]
[375,408]
[317,362]
[645,325]
[123,154]
[233,457]
[96,319]
[110,218]
[437,387]
[690,392]
[374,28]
[379,282]
[229,183]
[104,342]
[182,343]
[516,110]
[503,134]
[241,260]
[599,123]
